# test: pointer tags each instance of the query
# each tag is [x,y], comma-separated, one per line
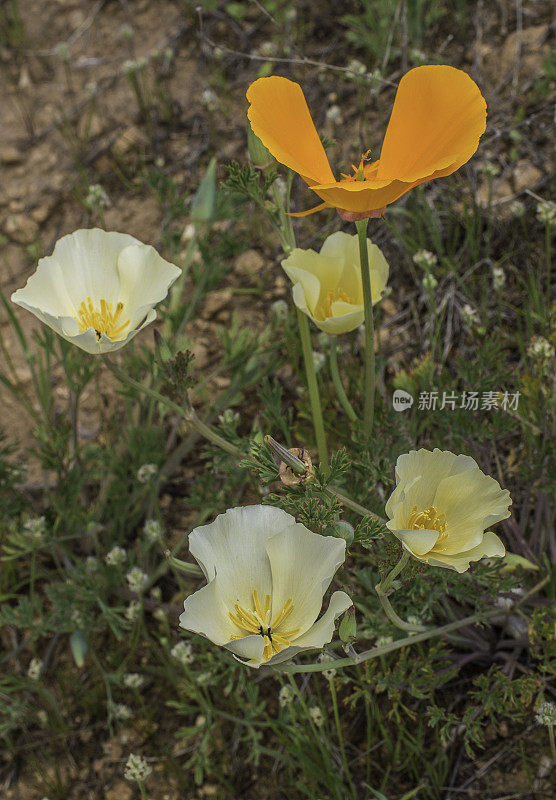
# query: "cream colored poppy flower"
[442,506]
[266,578]
[327,285]
[97,289]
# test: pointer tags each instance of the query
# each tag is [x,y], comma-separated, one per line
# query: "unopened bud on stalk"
[341,530]
[258,153]
[348,626]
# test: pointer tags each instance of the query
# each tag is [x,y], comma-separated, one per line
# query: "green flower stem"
[341,739]
[337,381]
[369,385]
[383,588]
[395,619]
[377,652]
[552,742]
[312,385]
[188,414]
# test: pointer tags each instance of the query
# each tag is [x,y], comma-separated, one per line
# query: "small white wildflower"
[152,530]
[182,652]
[327,673]
[317,716]
[470,316]
[200,721]
[188,233]
[116,556]
[540,349]
[133,680]
[133,610]
[97,197]
[204,677]
[318,360]
[425,259]
[126,32]
[517,209]
[91,564]
[504,602]
[159,614]
[209,99]
[498,278]
[382,640]
[35,667]
[146,472]
[229,417]
[279,309]
[137,769]
[546,714]
[285,696]
[156,593]
[268,49]
[136,579]
[290,14]
[130,66]
[35,527]
[546,213]
[417,56]
[121,711]
[357,67]
[429,282]
[490,170]
[334,114]
[413,619]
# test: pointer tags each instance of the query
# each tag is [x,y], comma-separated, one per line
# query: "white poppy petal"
[248,650]
[418,542]
[320,633]
[303,564]
[205,613]
[308,282]
[233,548]
[490,547]
[145,277]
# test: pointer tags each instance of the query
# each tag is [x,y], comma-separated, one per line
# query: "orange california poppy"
[438,118]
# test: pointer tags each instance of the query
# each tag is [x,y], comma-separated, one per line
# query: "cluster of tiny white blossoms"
[136,579]
[121,711]
[285,696]
[152,530]
[540,349]
[546,714]
[327,673]
[429,282]
[317,716]
[136,768]
[35,527]
[116,556]
[209,100]
[34,669]
[146,472]
[470,316]
[133,610]
[182,652]
[546,213]
[133,680]
[425,259]
[97,197]
[130,66]
[383,640]
[279,309]
[498,278]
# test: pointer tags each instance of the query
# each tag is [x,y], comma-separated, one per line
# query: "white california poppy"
[327,286]
[267,575]
[98,289]
[442,506]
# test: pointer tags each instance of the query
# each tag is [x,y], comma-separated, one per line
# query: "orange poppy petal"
[438,118]
[281,119]
[360,197]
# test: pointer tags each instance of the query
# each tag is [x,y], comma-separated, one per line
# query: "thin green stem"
[312,385]
[376,652]
[395,619]
[552,743]
[337,381]
[369,384]
[347,771]
[383,588]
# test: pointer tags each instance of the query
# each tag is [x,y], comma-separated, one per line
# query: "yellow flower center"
[359,172]
[102,319]
[428,519]
[257,620]
[333,296]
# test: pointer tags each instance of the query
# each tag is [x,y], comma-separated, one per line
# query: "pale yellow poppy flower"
[266,578]
[98,289]
[327,286]
[442,506]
